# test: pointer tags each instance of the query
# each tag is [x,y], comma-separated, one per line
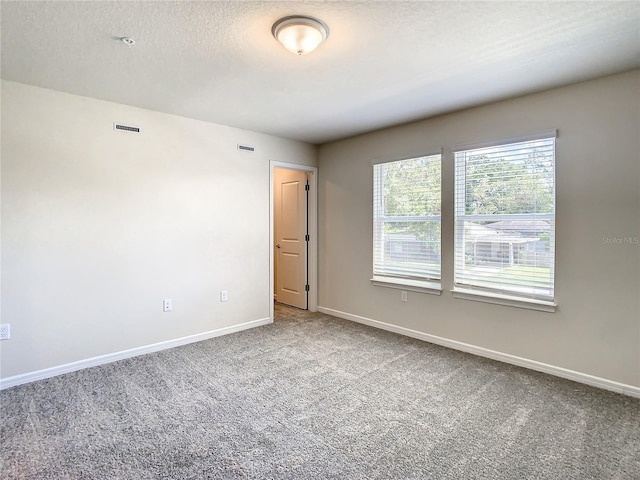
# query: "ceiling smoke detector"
[128,41]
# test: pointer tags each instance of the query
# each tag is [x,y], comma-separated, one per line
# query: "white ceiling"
[384,63]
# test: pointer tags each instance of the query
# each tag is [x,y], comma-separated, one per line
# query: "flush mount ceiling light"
[300,34]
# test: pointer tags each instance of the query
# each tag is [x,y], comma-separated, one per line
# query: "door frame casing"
[312,259]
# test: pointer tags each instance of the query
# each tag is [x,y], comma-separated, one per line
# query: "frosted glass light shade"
[300,35]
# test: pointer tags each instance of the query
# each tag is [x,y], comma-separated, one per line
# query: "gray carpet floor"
[315,397]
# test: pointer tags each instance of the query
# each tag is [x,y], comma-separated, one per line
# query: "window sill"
[501,299]
[420,286]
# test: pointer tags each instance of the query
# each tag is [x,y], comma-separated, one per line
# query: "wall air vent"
[246,148]
[126,128]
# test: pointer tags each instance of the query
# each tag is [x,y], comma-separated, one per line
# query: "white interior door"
[290,231]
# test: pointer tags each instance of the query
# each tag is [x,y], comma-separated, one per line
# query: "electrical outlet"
[5,331]
[403,296]
[224,296]
[167,305]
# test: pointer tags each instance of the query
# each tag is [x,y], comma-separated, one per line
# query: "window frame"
[430,284]
[469,291]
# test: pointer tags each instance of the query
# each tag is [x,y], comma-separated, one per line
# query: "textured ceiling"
[384,63]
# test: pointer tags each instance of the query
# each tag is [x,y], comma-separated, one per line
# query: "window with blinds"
[505,218]
[406,218]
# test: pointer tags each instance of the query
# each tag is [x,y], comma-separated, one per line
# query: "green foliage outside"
[499,186]
[412,189]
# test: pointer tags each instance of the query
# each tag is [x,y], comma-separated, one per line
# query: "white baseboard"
[587,379]
[134,352]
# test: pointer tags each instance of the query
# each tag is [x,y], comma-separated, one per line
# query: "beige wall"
[99,226]
[596,328]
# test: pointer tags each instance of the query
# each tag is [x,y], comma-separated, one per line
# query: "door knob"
[277,245]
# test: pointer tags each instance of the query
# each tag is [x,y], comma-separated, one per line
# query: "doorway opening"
[293,235]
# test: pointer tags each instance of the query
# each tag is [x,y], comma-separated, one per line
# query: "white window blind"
[505,218]
[406,218]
